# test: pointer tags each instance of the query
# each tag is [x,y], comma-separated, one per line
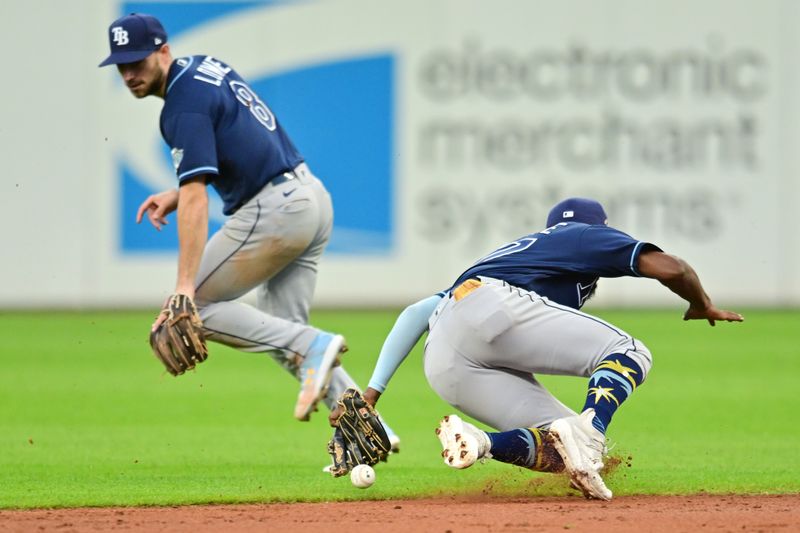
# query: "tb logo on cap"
[120,35]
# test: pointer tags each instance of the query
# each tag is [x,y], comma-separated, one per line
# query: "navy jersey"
[216,125]
[563,262]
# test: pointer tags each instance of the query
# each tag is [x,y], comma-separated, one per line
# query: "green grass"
[88,418]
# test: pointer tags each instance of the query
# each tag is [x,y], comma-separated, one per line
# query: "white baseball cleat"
[394,442]
[462,443]
[581,446]
[316,371]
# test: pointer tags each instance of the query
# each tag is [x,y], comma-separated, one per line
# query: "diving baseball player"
[514,314]
[280,215]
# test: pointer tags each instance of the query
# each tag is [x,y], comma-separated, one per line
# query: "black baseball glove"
[359,437]
[179,342]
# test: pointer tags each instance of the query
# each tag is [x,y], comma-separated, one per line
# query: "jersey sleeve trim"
[198,170]
[181,73]
[634,255]
[638,249]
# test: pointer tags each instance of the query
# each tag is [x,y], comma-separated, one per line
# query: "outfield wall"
[442,129]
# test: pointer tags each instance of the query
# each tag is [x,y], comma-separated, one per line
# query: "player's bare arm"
[192,205]
[679,277]
[157,207]
[192,232]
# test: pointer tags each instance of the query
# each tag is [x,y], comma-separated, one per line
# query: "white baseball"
[362,476]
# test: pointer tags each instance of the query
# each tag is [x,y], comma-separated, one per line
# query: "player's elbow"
[675,269]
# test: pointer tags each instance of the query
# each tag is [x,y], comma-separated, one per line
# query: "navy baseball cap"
[134,37]
[583,210]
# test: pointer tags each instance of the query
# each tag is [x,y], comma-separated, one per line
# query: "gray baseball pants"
[273,244]
[484,350]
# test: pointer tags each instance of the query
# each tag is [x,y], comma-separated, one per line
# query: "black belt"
[283,178]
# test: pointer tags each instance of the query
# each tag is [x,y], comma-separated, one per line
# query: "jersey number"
[510,248]
[251,101]
[516,246]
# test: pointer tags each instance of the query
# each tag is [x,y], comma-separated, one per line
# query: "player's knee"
[639,356]
[642,356]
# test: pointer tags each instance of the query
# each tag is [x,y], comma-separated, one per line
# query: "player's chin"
[139,91]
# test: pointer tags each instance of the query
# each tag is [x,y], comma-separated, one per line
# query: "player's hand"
[370,396]
[161,317]
[336,413]
[157,207]
[712,314]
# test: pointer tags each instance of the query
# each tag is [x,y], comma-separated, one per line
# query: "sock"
[525,447]
[614,379]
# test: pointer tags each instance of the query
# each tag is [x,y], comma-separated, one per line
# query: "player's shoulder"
[191,73]
[581,234]
[563,230]
[601,231]
[192,86]
[608,238]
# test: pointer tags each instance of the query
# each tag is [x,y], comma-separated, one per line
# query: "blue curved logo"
[340,116]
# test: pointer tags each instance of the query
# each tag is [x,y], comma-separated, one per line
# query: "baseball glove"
[359,437]
[179,342]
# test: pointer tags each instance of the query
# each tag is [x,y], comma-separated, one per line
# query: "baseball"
[362,476]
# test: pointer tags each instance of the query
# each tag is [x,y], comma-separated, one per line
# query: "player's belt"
[283,178]
[290,175]
[465,288]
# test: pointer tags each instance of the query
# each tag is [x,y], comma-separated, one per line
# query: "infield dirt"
[625,514]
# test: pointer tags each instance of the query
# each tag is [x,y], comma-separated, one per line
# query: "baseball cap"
[583,210]
[134,37]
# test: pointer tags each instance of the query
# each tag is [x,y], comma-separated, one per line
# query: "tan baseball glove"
[179,342]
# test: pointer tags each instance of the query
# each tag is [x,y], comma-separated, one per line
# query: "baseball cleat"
[394,441]
[462,443]
[581,446]
[315,372]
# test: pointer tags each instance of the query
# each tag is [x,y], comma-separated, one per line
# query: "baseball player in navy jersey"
[279,214]
[515,314]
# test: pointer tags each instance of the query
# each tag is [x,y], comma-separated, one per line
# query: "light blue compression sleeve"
[407,330]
